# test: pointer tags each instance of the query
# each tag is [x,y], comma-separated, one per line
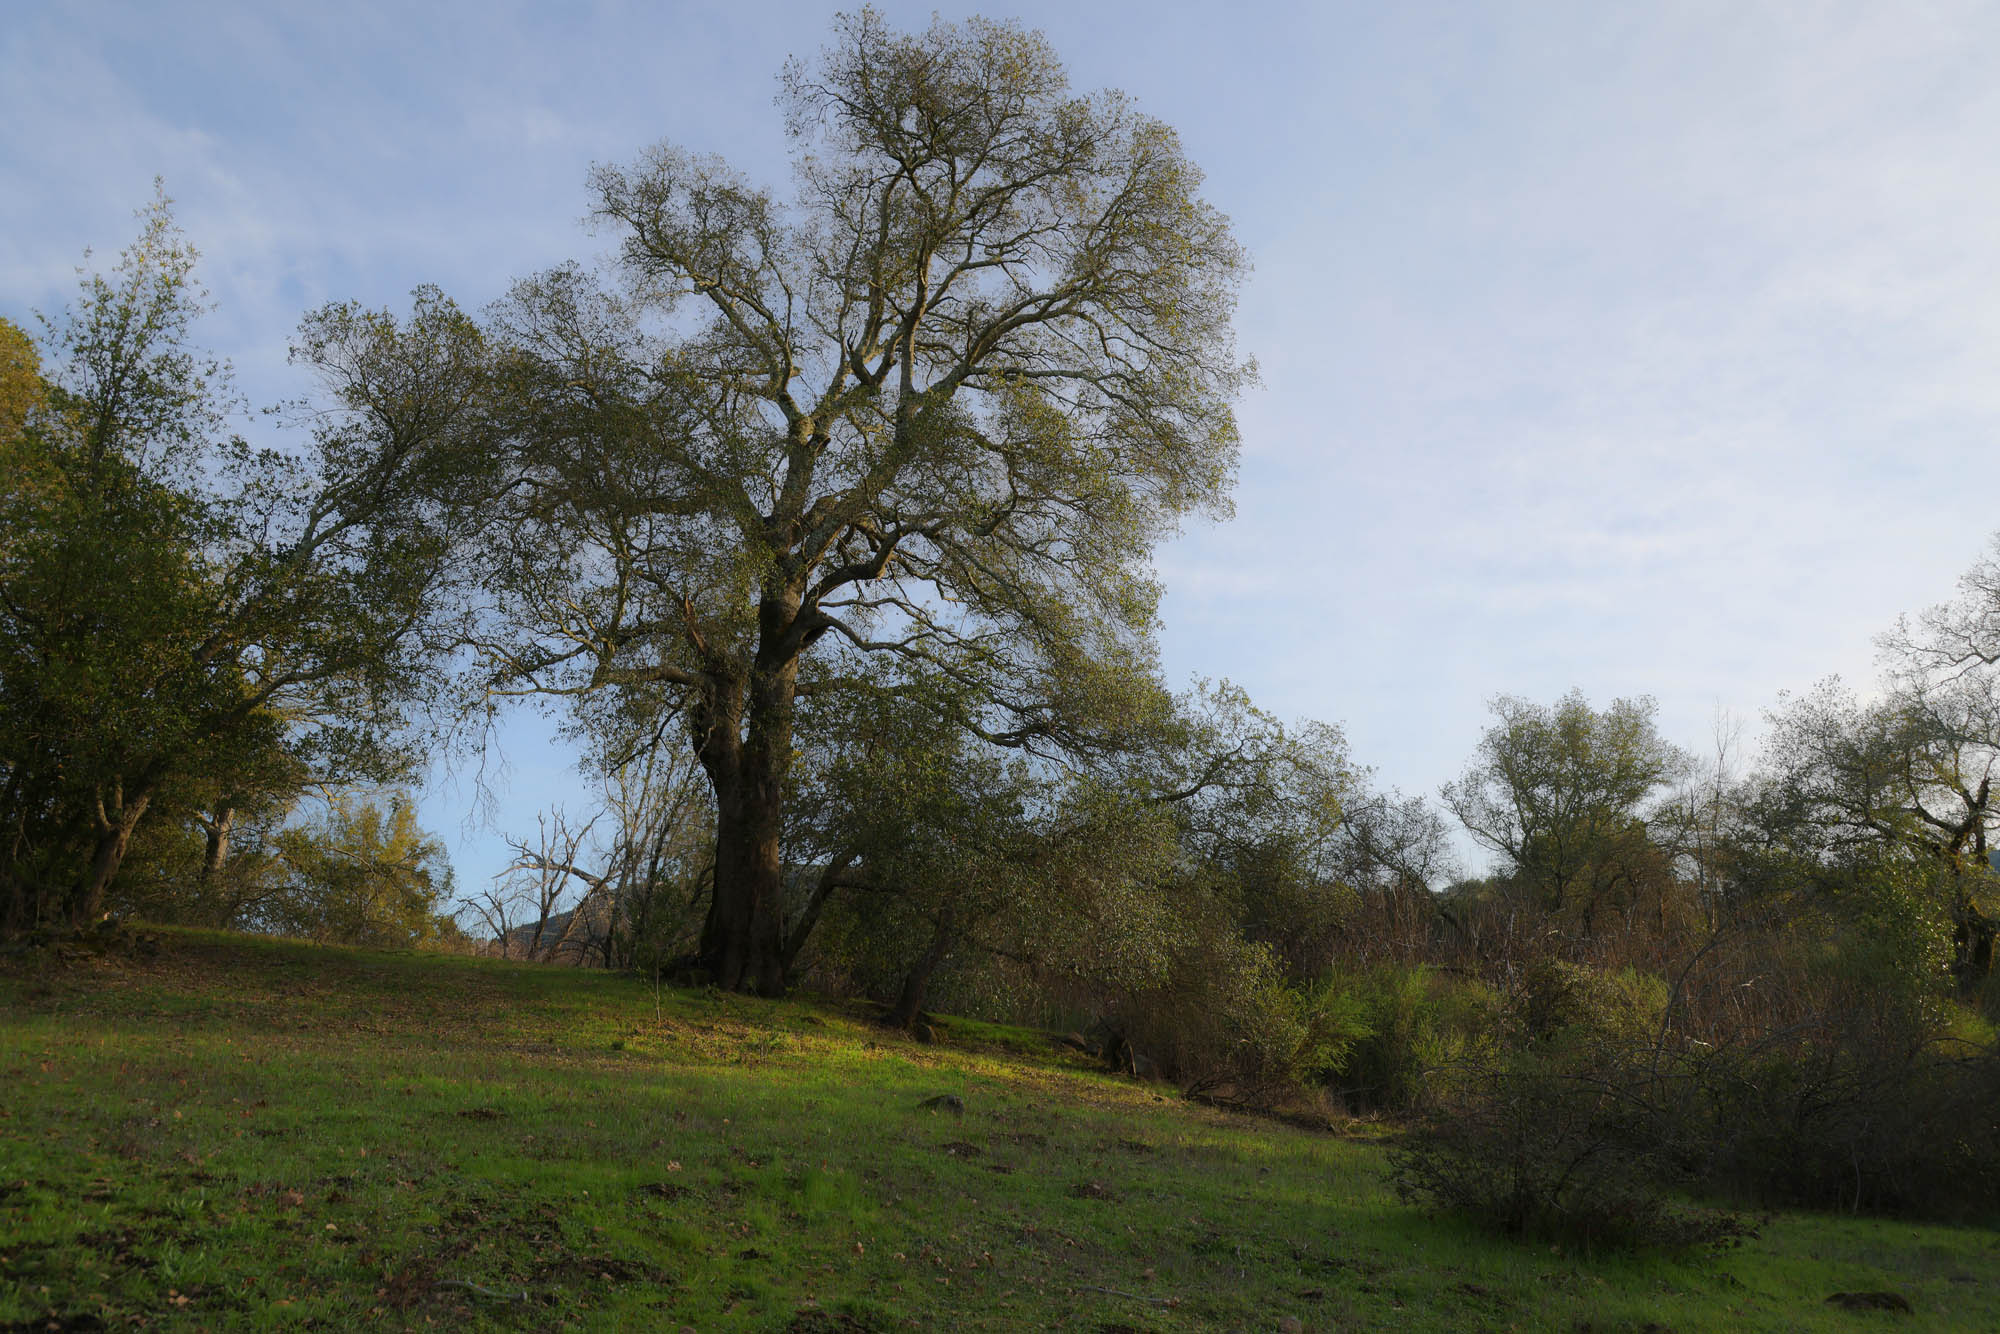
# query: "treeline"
[825,525]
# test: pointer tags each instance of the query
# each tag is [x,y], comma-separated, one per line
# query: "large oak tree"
[924,422]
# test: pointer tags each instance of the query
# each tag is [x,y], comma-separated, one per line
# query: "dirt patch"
[664,1190]
[575,1269]
[958,1148]
[407,1285]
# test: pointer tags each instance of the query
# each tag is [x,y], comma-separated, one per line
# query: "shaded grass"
[244,1133]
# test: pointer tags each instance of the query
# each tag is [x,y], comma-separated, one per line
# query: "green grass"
[242,1133]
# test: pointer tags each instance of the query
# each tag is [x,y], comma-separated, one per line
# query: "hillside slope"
[226,1132]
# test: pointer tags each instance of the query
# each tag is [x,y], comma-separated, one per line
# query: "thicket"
[1812,1048]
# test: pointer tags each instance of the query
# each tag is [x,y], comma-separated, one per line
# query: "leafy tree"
[187,622]
[1262,813]
[934,852]
[1854,788]
[21,392]
[184,865]
[891,805]
[922,424]
[1566,795]
[1394,856]
[947,844]
[360,875]
[1079,895]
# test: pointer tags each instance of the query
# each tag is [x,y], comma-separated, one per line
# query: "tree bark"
[917,981]
[743,944]
[114,836]
[218,843]
[830,879]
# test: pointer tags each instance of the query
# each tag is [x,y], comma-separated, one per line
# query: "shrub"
[1226,1025]
[1869,1110]
[1223,1024]
[1874,1098]
[1551,996]
[1415,1029]
[1557,1143]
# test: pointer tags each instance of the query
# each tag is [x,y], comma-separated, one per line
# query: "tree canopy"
[1564,794]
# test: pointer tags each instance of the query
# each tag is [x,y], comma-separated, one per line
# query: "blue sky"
[1646,349]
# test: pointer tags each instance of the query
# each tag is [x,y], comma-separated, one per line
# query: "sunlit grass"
[240,1133]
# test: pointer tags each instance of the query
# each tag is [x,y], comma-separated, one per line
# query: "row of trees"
[1595,817]
[914,848]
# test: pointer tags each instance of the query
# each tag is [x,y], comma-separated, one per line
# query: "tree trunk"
[918,980]
[218,843]
[747,870]
[808,917]
[114,835]
[742,944]
[1972,940]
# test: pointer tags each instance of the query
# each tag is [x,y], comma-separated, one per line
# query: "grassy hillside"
[240,1133]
